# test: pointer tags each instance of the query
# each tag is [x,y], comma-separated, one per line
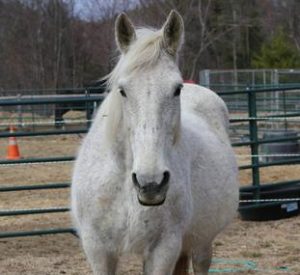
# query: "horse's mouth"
[157,201]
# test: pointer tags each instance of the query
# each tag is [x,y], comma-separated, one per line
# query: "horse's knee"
[102,261]
[201,260]
[161,260]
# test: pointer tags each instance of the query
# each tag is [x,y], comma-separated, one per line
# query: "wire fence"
[253,140]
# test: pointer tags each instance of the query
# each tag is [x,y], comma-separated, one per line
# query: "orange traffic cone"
[13,152]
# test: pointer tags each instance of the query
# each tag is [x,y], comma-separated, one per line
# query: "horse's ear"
[173,32]
[124,32]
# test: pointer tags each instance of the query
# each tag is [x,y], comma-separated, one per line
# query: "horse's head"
[147,82]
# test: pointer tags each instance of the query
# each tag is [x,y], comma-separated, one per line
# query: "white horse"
[156,174]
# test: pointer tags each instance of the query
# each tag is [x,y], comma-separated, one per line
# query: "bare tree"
[47,43]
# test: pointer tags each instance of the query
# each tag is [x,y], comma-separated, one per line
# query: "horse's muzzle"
[152,193]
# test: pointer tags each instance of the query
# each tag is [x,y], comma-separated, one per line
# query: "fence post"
[253,138]
[88,109]
[284,110]
[20,112]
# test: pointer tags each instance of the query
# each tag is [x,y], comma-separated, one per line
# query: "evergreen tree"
[279,52]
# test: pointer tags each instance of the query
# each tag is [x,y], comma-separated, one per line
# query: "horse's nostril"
[166,178]
[145,185]
[135,181]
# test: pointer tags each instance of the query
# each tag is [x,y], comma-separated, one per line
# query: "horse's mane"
[143,53]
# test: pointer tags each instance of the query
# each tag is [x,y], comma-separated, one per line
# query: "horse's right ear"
[124,32]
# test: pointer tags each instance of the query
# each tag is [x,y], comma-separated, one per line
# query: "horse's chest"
[141,231]
[128,228]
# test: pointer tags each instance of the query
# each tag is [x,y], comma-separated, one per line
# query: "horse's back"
[207,105]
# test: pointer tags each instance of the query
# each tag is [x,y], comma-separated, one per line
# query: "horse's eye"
[178,91]
[123,93]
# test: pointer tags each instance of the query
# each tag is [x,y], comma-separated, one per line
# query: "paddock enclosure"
[34,190]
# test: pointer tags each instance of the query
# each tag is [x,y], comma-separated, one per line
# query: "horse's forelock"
[143,53]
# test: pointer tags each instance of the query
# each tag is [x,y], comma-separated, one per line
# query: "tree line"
[49,44]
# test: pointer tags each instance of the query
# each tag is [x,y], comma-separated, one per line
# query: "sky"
[94,9]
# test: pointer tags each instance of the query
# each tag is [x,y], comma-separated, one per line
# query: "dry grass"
[271,245]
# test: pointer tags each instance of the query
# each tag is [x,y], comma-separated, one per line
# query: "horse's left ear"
[173,32]
[124,32]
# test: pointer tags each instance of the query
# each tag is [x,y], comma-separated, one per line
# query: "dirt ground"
[243,248]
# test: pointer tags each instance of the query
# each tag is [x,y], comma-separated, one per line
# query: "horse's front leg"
[102,261]
[161,257]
